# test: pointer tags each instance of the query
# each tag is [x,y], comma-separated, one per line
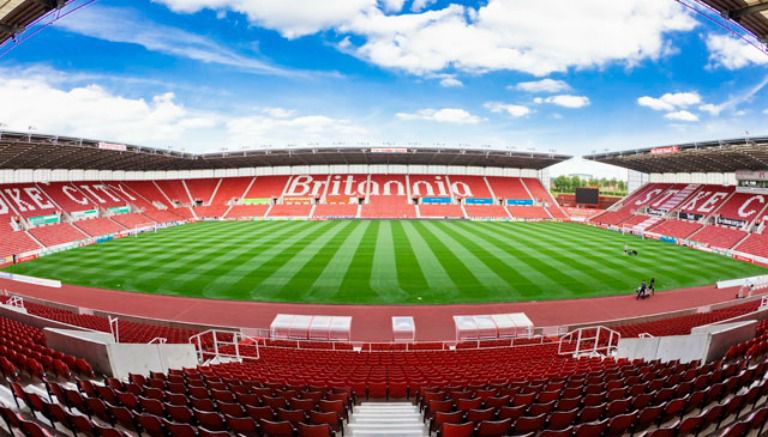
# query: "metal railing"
[114,327]
[589,341]
[15,301]
[219,346]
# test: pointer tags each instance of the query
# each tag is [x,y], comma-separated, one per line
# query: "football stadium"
[465,288]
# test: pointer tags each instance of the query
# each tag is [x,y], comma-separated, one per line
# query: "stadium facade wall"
[693,178]
[119,360]
[705,344]
[15,176]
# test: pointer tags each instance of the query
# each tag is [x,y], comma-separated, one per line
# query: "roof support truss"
[736,14]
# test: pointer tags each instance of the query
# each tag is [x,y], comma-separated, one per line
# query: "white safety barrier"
[480,327]
[304,327]
[403,329]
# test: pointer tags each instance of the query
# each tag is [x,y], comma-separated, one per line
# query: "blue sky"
[203,75]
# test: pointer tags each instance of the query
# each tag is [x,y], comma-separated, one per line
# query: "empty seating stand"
[130,331]
[720,237]
[14,242]
[756,244]
[392,207]
[247,211]
[441,211]
[133,220]
[99,226]
[676,228]
[528,212]
[300,210]
[174,191]
[336,210]
[54,235]
[486,211]
[201,190]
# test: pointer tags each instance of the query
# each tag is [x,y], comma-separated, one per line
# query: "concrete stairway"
[373,419]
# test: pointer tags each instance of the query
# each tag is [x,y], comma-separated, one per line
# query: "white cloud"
[292,18]
[682,116]
[542,86]
[450,82]
[512,110]
[520,36]
[670,101]
[447,80]
[564,100]
[711,109]
[125,26]
[393,5]
[278,112]
[536,37]
[420,5]
[765,111]
[444,115]
[255,130]
[654,103]
[732,54]
[93,111]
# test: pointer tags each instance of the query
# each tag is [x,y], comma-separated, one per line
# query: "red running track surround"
[433,323]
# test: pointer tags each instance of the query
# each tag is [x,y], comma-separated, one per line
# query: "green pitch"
[384,262]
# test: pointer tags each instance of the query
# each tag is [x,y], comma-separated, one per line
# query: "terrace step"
[372,419]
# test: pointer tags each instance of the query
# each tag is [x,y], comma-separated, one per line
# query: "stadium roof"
[16,15]
[31,151]
[752,15]
[724,156]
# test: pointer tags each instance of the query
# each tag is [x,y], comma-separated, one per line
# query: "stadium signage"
[750,175]
[120,210]
[97,192]
[337,185]
[25,199]
[478,201]
[656,211]
[44,220]
[89,213]
[298,200]
[665,150]
[751,206]
[730,222]
[344,200]
[257,201]
[436,200]
[389,150]
[522,202]
[689,216]
[113,146]
[709,201]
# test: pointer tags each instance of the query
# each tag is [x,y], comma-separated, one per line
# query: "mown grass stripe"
[469,262]
[596,267]
[242,279]
[410,276]
[532,256]
[294,278]
[668,276]
[384,271]
[429,262]
[359,271]
[524,281]
[328,282]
